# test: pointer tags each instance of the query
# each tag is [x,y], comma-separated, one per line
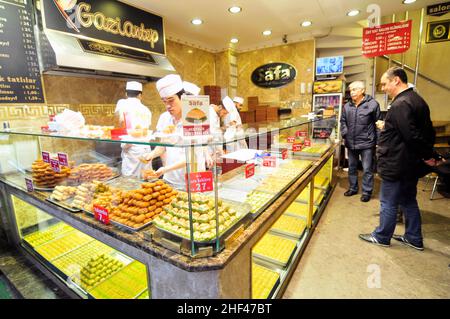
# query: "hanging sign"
[387,39]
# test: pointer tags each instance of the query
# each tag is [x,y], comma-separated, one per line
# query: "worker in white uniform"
[136,115]
[233,125]
[171,88]
[238,102]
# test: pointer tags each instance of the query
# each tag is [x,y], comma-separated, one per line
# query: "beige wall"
[433,64]
[300,55]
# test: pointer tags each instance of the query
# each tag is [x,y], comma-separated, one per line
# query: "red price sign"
[270,161]
[46,157]
[63,159]
[284,153]
[291,139]
[30,186]
[296,147]
[301,133]
[101,214]
[307,142]
[249,170]
[55,165]
[201,182]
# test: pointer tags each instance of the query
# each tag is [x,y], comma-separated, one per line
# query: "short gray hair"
[358,84]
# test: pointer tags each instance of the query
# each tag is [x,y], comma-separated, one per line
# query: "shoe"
[405,241]
[371,239]
[365,198]
[350,193]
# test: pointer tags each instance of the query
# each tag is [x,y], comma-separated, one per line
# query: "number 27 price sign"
[200,182]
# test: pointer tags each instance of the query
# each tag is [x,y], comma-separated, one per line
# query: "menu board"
[20,77]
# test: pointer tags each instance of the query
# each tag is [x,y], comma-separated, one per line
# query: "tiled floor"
[337,264]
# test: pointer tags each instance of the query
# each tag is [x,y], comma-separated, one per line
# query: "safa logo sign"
[274,75]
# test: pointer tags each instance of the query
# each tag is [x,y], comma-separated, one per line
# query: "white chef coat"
[137,114]
[234,131]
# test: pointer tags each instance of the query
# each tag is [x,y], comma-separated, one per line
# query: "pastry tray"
[277,283]
[276,262]
[243,211]
[277,231]
[64,204]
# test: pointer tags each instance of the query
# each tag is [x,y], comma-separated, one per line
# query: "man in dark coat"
[359,131]
[405,153]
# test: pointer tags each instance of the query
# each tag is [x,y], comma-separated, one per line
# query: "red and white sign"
[307,142]
[284,153]
[30,186]
[291,139]
[249,170]
[387,39]
[46,156]
[301,133]
[55,165]
[195,115]
[63,159]
[101,214]
[201,182]
[269,161]
[296,147]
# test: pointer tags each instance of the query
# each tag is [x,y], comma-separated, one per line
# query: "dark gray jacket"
[358,123]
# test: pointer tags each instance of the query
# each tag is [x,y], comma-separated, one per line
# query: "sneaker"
[350,193]
[405,241]
[371,239]
[365,198]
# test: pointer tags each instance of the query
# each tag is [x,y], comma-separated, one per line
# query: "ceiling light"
[353,13]
[196,21]
[190,51]
[306,23]
[235,9]
[408,1]
[267,32]
[234,40]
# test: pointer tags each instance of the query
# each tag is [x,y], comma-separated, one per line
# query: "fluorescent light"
[408,1]
[234,40]
[267,32]
[306,23]
[197,21]
[353,13]
[235,9]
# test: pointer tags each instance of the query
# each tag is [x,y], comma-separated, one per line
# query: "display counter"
[248,232]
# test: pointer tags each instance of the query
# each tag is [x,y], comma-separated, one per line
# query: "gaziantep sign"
[386,39]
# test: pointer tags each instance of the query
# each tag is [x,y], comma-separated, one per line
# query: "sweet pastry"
[195,116]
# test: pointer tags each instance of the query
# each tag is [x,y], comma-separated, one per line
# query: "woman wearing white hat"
[233,124]
[136,115]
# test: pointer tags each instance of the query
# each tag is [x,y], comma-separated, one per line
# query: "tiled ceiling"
[283,17]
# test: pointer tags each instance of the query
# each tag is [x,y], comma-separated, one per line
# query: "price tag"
[101,214]
[291,139]
[30,186]
[46,156]
[63,159]
[201,182]
[249,170]
[301,133]
[307,142]
[284,153]
[296,147]
[270,161]
[55,165]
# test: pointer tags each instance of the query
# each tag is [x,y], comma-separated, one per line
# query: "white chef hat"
[169,85]
[134,86]
[238,99]
[191,88]
[228,104]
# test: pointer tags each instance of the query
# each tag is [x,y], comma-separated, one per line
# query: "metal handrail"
[443,86]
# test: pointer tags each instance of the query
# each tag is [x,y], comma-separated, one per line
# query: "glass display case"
[210,191]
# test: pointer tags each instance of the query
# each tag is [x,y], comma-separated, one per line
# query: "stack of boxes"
[214,94]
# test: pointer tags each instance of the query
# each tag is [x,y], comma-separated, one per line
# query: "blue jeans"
[367,163]
[394,194]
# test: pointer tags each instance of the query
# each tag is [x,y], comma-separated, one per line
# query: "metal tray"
[287,234]
[65,205]
[275,262]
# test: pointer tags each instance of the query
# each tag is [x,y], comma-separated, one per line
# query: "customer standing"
[405,146]
[359,132]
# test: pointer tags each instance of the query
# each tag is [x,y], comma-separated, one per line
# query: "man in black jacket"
[405,153]
[359,131]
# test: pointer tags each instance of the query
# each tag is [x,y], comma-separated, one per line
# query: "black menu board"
[20,77]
